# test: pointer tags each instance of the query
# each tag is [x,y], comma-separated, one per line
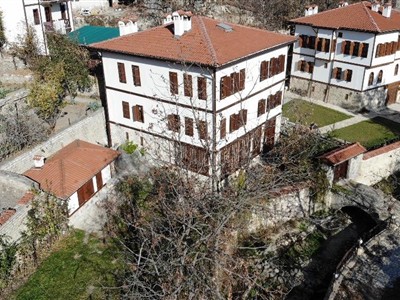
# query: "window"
[396,70]
[386,49]
[232,84]
[242,117]
[340,34]
[325,65]
[346,47]
[125,110]
[274,100]
[47,12]
[136,75]
[121,72]
[364,51]
[327,45]
[222,129]
[194,158]
[337,73]
[36,18]
[356,49]
[371,78]
[137,112]
[347,75]
[173,122]
[173,83]
[305,66]
[202,128]
[242,79]
[63,11]
[233,122]
[380,76]
[202,88]
[189,126]
[261,107]
[333,47]
[187,85]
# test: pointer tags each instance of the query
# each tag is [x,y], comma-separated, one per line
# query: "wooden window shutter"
[125,110]
[333,47]
[310,67]
[187,85]
[339,73]
[242,117]
[222,128]
[269,100]
[137,112]
[345,74]
[388,48]
[36,18]
[270,68]
[378,50]
[301,40]
[202,128]
[351,48]
[173,122]
[202,88]
[232,123]
[349,75]
[306,67]
[235,82]
[121,72]
[323,43]
[394,47]
[261,107]
[299,64]
[242,79]
[281,63]
[263,70]
[136,75]
[380,77]
[334,72]
[364,52]
[189,126]
[327,45]
[173,83]
[371,78]
[343,46]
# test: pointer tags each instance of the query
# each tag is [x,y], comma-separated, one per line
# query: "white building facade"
[43,15]
[348,56]
[198,96]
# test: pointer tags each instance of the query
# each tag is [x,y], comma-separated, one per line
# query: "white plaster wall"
[356,82]
[388,75]
[381,39]
[355,36]
[13,19]
[378,167]
[106,174]
[73,203]
[78,4]
[354,167]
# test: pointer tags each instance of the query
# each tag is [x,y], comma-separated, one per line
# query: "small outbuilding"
[75,173]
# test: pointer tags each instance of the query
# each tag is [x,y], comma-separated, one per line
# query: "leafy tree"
[28,47]
[8,258]
[64,72]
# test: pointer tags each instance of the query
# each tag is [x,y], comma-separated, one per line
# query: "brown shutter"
[261,107]
[306,67]
[327,45]
[232,125]
[222,128]
[343,46]
[125,110]
[121,72]
[202,88]
[349,75]
[388,48]
[281,63]
[187,85]
[173,83]
[351,48]
[364,52]
[333,46]
[378,50]
[173,122]
[334,72]
[202,128]
[394,47]
[242,79]
[242,117]
[137,112]
[189,126]
[263,73]
[301,40]
[299,64]
[136,75]
[222,89]
[235,82]
[345,74]
[310,67]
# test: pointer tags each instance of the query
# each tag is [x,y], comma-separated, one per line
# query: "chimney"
[129,27]
[187,21]
[38,161]
[168,19]
[375,6]
[315,9]
[343,4]
[387,10]
[178,24]
[311,10]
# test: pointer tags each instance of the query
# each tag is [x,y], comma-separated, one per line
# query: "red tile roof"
[71,167]
[342,154]
[358,17]
[26,198]
[204,44]
[5,215]
[381,150]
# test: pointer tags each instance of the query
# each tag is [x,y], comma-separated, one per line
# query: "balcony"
[59,26]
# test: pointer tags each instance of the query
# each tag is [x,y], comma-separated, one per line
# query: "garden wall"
[91,129]
[378,164]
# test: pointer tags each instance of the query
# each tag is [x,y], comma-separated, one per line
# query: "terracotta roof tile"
[71,167]
[204,44]
[358,17]
[5,215]
[381,150]
[26,198]
[342,154]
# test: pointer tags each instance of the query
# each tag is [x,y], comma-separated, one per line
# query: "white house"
[349,55]
[74,173]
[42,15]
[200,93]
[91,4]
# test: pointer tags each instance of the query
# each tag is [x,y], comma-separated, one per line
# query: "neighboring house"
[90,4]
[43,15]
[197,92]
[348,56]
[74,173]
[15,196]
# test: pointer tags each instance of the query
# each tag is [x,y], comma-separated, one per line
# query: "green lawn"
[369,133]
[306,113]
[76,270]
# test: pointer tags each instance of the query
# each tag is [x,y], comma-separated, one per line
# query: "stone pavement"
[391,112]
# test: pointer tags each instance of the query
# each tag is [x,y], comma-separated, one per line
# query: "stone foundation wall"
[348,99]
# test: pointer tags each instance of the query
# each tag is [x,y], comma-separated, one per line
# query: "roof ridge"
[330,10]
[367,11]
[208,40]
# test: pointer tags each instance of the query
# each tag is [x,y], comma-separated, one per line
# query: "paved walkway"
[392,112]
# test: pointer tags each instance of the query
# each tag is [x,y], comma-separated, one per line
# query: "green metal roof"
[87,35]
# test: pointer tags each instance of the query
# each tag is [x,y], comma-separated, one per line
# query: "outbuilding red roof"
[205,44]
[342,154]
[358,16]
[71,167]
